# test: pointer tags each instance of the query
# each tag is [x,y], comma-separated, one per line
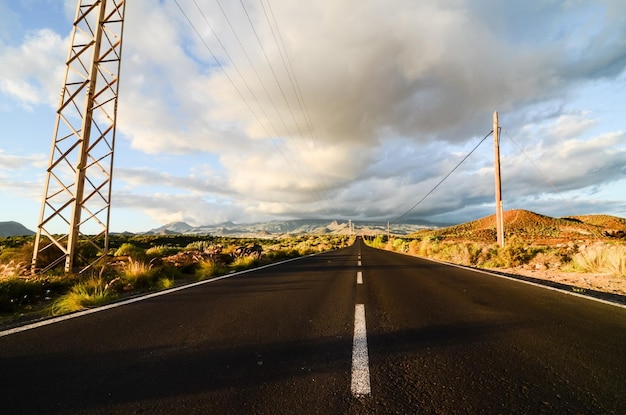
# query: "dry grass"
[600,258]
[137,274]
[13,270]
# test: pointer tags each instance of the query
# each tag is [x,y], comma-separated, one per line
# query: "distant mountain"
[14,229]
[289,227]
[173,228]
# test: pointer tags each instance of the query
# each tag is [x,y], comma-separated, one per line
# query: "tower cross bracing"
[77,193]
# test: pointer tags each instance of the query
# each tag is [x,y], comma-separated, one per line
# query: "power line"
[442,180]
[547,180]
[295,85]
[295,167]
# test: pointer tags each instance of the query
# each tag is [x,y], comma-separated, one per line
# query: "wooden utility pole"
[499,213]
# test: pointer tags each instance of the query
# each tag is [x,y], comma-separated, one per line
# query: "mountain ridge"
[12,228]
[288,227]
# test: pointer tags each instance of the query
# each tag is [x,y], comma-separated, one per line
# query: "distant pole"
[496,149]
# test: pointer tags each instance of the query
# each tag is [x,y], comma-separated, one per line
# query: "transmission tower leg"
[77,193]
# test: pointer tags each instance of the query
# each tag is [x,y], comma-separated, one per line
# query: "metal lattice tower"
[77,194]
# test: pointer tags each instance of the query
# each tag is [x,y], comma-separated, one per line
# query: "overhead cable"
[441,181]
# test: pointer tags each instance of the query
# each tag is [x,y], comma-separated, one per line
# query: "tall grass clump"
[161,251]
[601,259]
[13,270]
[244,262]
[137,274]
[208,269]
[90,293]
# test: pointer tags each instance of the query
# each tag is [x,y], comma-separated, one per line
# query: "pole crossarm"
[77,191]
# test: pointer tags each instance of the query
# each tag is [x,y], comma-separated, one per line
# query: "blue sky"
[390,96]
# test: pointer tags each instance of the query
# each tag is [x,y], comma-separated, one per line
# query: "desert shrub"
[161,251]
[380,242]
[18,254]
[208,269]
[130,250]
[200,246]
[473,253]
[414,247]
[400,245]
[165,283]
[84,294]
[492,257]
[516,252]
[137,274]
[244,262]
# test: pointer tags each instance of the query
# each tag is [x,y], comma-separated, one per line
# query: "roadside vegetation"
[138,263]
[596,257]
[582,244]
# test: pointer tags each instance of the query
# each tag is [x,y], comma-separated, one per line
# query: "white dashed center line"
[360,359]
[359,277]
[358,263]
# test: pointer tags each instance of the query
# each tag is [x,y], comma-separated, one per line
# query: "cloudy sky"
[333,109]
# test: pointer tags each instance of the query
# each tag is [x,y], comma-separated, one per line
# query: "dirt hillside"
[536,228]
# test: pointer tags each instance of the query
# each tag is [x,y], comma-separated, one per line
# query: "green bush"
[17,291]
[209,269]
[161,251]
[244,262]
[130,250]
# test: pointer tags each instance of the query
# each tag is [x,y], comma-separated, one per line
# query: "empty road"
[352,331]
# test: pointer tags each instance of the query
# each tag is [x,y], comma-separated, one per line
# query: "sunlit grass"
[12,270]
[165,283]
[601,259]
[90,293]
[208,269]
[161,251]
[244,262]
[137,274]
[598,258]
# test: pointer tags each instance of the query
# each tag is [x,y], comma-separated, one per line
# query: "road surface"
[352,331]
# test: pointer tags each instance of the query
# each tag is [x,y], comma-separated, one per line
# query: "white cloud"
[32,74]
[397,93]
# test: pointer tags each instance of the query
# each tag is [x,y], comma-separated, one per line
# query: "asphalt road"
[439,340]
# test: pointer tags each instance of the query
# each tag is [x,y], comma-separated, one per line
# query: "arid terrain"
[556,247]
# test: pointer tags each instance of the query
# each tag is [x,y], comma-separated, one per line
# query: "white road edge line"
[360,359]
[359,277]
[137,299]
